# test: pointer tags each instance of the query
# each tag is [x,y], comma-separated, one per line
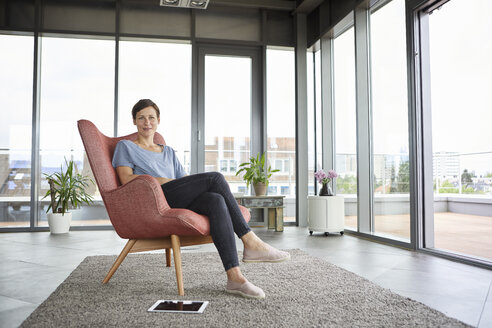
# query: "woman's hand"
[163,180]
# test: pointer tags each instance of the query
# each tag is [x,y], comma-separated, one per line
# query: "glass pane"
[77,82]
[345,132]
[461,133]
[227,115]
[16,67]
[311,120]
[161,72]
[281,141]
[390,122]
[318,120]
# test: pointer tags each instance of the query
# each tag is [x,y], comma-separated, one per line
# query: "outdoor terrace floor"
[461,233]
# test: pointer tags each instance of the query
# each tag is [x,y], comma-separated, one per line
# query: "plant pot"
[59,223]
[260,189]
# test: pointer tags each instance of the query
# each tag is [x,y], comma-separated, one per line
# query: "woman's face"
[147,121]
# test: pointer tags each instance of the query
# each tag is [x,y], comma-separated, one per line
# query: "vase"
[325,190]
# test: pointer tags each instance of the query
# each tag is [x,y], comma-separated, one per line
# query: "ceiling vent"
[195,4]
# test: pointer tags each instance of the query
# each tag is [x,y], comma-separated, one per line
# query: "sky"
[227,97]
[461,76]
[461,82]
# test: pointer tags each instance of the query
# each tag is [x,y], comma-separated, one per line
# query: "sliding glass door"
[461,102]
[391,174]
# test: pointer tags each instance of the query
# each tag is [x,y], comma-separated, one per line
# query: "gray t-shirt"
[159,165]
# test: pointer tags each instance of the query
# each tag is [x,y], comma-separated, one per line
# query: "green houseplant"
[256,173]
[67,190]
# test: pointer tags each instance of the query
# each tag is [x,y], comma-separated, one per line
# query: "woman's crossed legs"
[209,194]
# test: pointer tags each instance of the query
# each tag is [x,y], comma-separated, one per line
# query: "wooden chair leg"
[176,245]
[168,257]
[120,259]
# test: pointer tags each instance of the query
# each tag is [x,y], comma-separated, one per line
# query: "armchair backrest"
[99,149]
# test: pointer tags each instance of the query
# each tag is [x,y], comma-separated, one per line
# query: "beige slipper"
[272,255]
[246,289]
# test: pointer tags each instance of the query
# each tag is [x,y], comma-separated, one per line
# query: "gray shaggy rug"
[303,292]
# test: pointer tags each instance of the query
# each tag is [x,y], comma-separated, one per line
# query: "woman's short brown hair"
[144,103]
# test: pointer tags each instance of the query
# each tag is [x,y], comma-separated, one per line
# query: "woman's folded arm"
[125,174]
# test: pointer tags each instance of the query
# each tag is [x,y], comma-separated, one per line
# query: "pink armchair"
[138,210]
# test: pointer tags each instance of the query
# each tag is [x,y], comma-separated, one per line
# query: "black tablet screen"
[179,306]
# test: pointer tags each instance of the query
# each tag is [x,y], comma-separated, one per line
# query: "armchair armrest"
[138,209]
[135,205]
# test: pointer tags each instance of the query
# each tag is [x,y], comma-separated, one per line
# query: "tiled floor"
[34,264]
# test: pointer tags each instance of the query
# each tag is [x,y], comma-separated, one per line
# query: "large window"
[16,74]
[461,101]
[77,82]
[160,72]
[281,144]
[390,121]
[228,102]
[345,123]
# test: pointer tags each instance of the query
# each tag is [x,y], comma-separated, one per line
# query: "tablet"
[178,306]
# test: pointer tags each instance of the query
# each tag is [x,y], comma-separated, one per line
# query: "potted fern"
[256,173]
[67,190]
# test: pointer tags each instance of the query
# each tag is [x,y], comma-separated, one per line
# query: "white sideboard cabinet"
[326,214]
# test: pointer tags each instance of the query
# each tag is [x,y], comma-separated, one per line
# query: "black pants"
[209,194]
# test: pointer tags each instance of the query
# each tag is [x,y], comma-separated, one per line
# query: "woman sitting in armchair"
[204,193]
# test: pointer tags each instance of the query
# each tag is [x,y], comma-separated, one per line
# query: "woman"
[204,193]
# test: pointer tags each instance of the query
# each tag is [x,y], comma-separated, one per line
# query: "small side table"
[275,205]
[326,214]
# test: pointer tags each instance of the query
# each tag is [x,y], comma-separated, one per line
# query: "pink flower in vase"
[324,178]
